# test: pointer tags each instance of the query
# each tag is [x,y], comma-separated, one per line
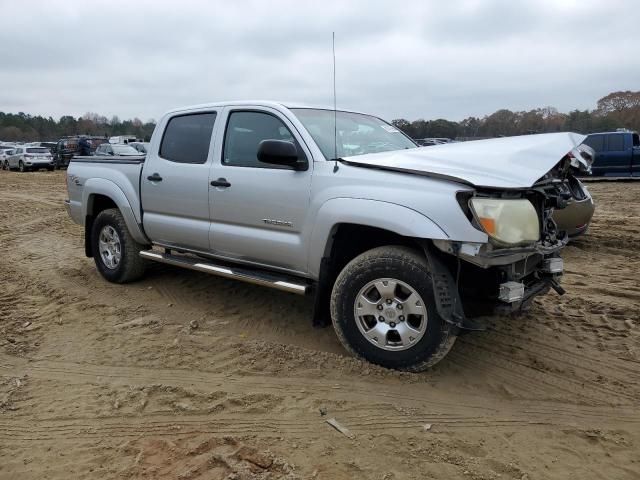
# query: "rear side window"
[596,142]
[615,142]
[187,137]
[636,140]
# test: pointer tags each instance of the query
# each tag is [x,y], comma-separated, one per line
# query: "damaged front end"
[521,258]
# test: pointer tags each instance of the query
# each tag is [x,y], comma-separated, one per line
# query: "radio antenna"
[335,110]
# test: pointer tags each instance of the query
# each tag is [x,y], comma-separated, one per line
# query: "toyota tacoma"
[402,248]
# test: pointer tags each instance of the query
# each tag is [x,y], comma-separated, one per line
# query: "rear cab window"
[187,138]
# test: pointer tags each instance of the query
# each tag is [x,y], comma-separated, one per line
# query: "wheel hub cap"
[390,314]
[110,247]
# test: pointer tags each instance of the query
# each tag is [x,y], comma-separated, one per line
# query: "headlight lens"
[509,222]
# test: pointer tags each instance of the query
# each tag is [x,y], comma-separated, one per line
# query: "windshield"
[357,134]
[37,150]
[124,150]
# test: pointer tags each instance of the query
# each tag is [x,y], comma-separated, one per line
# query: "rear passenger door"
[258,210]
[175,182]
[617,155]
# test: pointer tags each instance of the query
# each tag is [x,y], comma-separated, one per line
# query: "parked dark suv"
[69,147]
[617,153]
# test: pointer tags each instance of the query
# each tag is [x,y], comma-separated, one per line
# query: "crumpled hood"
[511,162]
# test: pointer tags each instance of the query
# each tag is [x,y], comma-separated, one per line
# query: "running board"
[250,276]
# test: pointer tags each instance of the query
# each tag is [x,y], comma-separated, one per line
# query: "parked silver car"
[141,147]
[5,152]
[116,149]
[30,158]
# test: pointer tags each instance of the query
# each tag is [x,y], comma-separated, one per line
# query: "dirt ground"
[184,375]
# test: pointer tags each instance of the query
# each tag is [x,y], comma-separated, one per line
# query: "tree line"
[616,110]
[22,127]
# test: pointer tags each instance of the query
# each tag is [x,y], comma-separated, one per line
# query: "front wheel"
[383,310]
[115,252]
[21,167]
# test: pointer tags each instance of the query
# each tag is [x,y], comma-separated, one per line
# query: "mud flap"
[88,225]
[321,311]
[445,292]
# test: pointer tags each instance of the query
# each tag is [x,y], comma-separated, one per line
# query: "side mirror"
[279,152]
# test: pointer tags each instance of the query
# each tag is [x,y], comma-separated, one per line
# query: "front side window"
[345,134]
[187,138]
[596,142]
[245,131]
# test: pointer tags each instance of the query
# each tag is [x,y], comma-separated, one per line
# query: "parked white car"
[30,158]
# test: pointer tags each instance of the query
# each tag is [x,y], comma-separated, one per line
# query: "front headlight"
[509,222]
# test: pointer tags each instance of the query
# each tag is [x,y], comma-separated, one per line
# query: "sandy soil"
[184,375]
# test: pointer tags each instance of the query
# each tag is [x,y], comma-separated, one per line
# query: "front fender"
[101,186]
[372,213]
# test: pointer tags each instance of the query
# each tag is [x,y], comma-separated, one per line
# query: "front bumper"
[473,280]
[484,255]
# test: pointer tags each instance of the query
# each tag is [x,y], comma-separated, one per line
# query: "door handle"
[221,182]
[155,177]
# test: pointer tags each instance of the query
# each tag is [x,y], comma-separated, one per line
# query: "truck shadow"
[256,311]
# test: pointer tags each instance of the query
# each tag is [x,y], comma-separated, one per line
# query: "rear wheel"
[383,310]
[115,252]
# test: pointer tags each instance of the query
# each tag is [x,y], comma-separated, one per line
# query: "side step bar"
[250,276]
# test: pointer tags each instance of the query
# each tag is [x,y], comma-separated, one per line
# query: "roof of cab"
[254,103]
[628,132]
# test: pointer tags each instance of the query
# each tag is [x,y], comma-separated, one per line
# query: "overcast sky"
[423,59]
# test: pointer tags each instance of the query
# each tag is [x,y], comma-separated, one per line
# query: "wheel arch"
[366,217]
[347,227]
[99,195]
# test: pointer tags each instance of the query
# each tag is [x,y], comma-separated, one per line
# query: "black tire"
[407,266]
[131,266]
[50,169]
[21,166]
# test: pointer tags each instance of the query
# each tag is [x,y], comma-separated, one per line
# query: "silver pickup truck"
[401,247]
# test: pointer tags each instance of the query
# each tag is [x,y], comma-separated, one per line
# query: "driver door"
[258,211]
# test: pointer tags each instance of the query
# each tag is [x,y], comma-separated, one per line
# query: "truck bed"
[101,172]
